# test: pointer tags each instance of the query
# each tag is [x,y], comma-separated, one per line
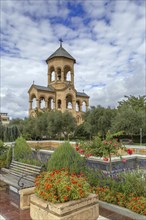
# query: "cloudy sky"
[107,39]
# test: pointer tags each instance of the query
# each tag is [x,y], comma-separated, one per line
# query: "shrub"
[66,157]
[22,150]
[61,186]
[3,154]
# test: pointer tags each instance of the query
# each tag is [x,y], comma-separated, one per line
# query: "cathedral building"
[60,93]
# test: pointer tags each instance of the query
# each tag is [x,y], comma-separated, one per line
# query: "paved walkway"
[9,209]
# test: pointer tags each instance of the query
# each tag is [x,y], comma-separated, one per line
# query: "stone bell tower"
[60,93]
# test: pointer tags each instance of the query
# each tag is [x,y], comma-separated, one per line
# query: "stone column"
[46,104]
[62,76]
[30,105]
[74,104]
[38,103]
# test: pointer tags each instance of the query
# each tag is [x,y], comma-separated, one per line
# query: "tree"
[136,103]
[68,124]
[131,116]
[99,118]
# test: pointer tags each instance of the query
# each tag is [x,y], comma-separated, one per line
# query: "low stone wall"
[132,161]
[48,144]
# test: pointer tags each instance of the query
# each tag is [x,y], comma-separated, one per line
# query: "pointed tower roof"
[61,52]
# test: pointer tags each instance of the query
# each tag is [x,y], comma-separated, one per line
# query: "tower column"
[38,103]
[30,105]
[46,104]
[74,104]
[62,76]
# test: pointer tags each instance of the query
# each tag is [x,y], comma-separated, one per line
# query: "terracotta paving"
[9,209]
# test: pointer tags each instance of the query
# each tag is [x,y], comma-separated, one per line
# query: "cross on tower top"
[60,42]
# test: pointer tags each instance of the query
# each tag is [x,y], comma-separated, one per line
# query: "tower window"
[59,74]
[59,103]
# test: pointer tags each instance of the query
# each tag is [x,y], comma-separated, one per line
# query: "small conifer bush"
[22,150]
[65,156]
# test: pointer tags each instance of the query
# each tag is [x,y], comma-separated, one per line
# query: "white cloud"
[107,39]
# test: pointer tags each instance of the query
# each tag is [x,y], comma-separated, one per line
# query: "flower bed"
[60,186]
[136,204]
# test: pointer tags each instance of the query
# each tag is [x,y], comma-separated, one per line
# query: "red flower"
[81,151]
[105,159]
[129,151]
[77,148]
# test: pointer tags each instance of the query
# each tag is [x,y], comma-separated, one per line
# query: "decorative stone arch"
[50,103]
[42,102]
[59,103]
[69,101]
[33,101]
[67,73]
[58,70]
[84,106]
[78,106]
[52,74]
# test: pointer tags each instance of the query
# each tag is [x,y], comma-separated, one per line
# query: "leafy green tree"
[136,103]
[99,119]
[55,124]
[68,124]
[129,120]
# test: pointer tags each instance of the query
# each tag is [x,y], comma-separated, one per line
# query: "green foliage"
[9,133]
[129,116]
[132,182]
[95,177]
[98,119]
[66,157]
[53,124]
[3,154]
[129,120]
[135,103]
[22,150]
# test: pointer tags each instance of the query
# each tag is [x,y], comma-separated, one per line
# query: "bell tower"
[60,68]
[60,93]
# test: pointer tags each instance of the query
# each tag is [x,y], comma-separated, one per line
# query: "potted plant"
[63,193]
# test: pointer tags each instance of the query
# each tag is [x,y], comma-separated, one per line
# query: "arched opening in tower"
[67,73]
[69,104]
[42,102]
[59,74]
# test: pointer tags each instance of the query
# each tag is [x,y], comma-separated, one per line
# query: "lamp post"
[140,136]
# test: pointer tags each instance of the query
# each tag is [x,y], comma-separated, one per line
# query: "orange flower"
[67,187]
[65,198]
